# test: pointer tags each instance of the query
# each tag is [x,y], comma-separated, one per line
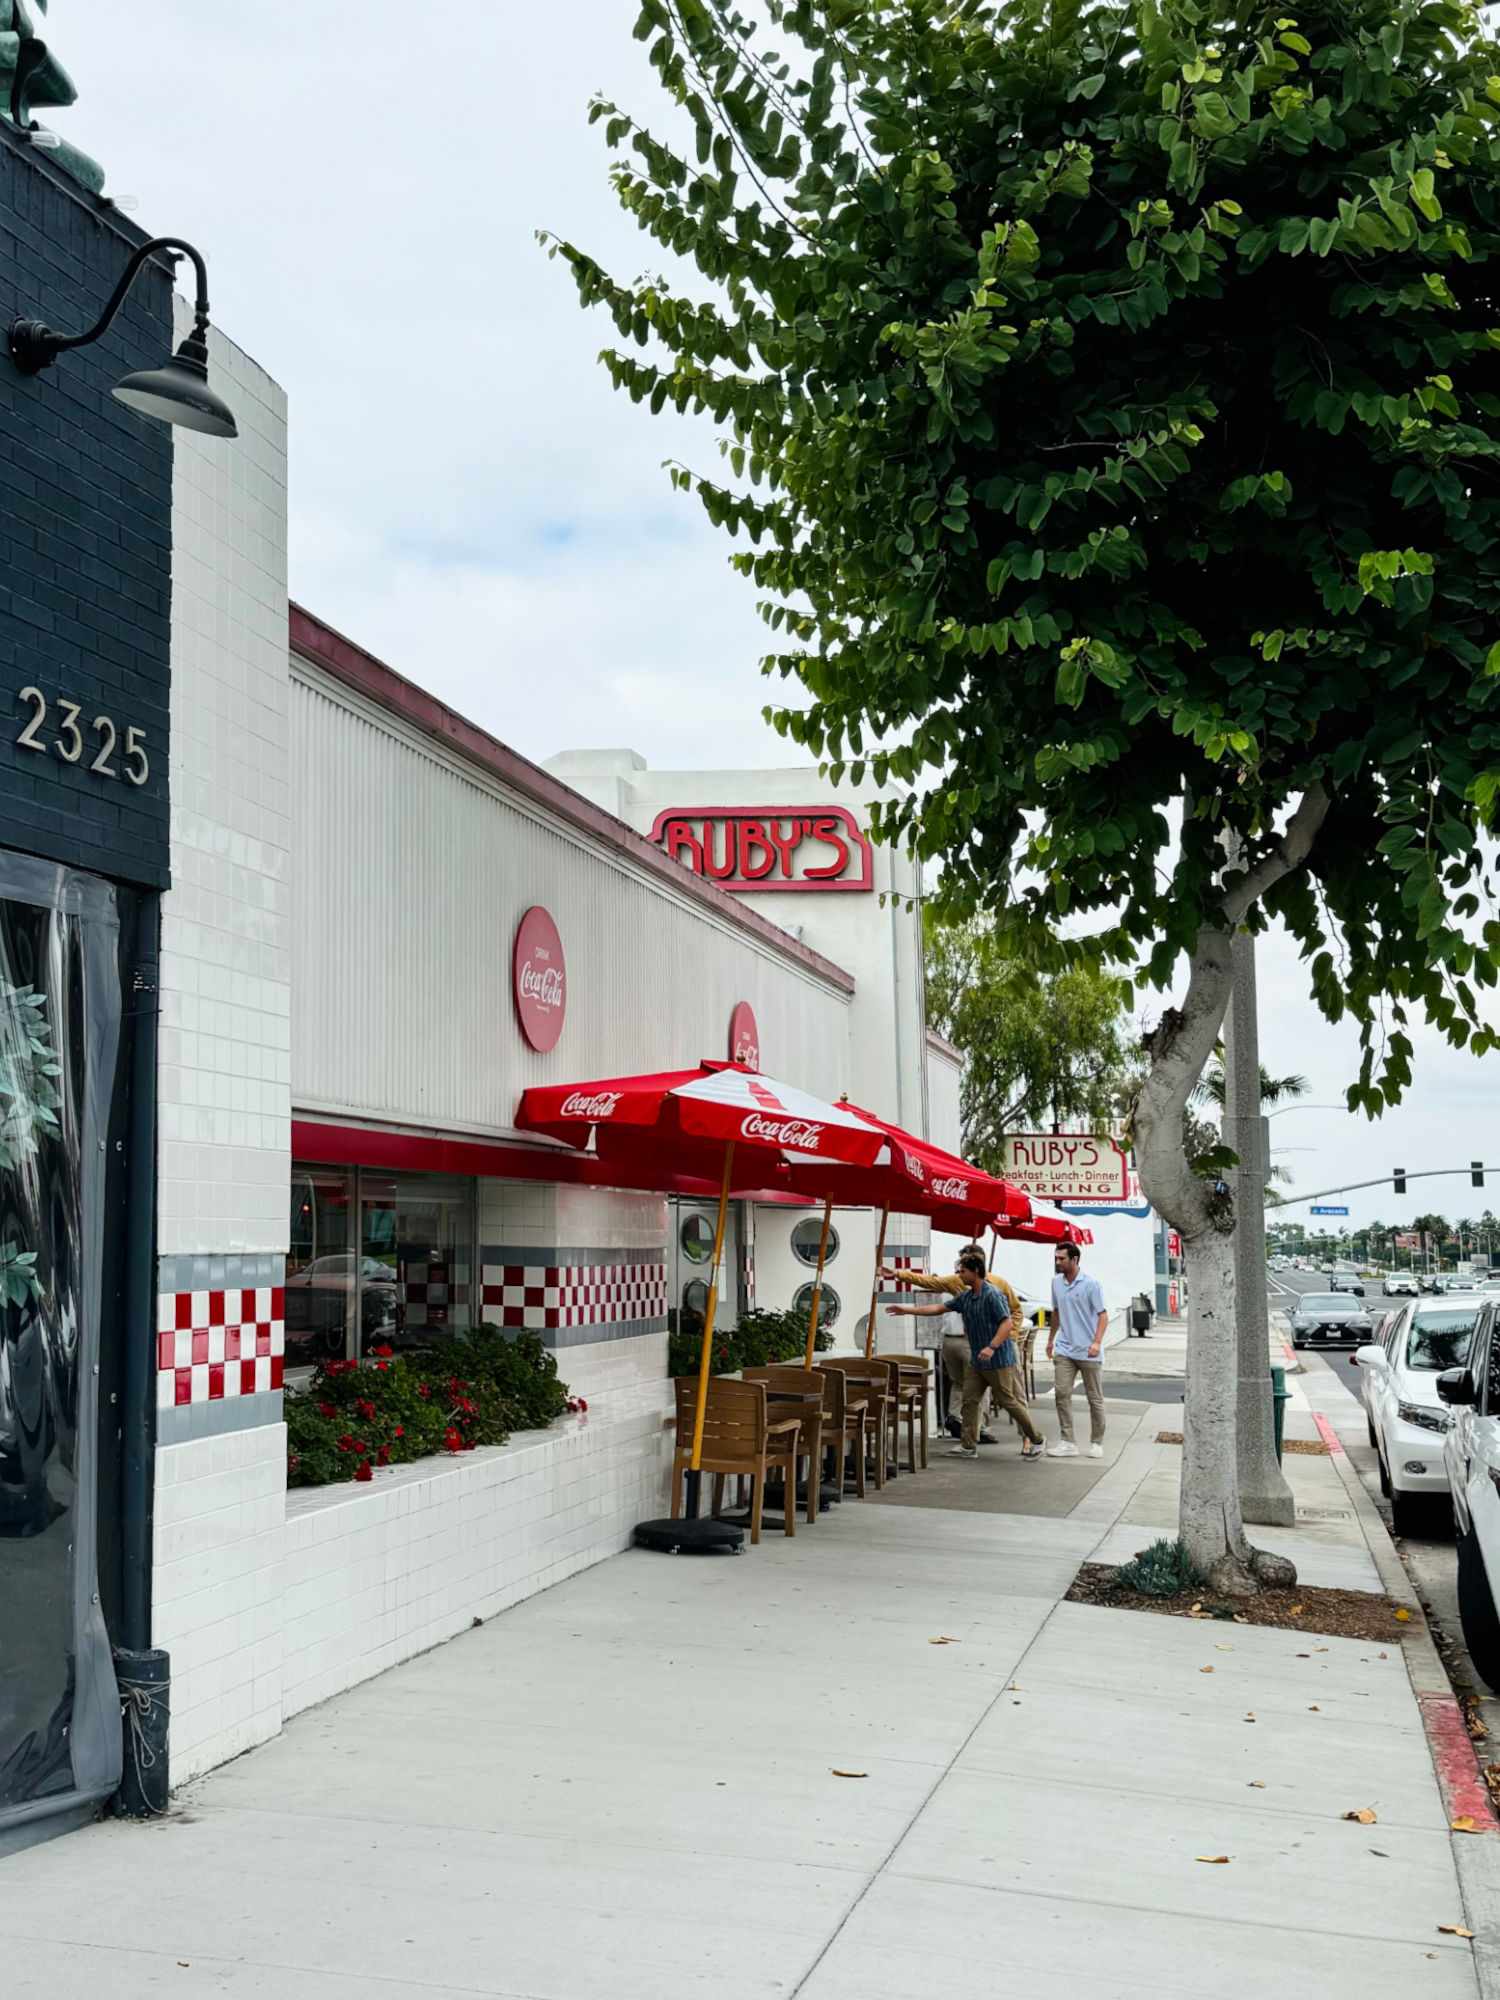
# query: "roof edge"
[945,1048]
[358,669]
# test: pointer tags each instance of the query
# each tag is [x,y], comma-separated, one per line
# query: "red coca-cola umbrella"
[1044,1229]
[728,1121]
[914,1177]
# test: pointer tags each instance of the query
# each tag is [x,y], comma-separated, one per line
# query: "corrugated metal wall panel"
[409,880]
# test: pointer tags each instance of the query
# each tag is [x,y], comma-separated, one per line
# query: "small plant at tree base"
[1165,1569]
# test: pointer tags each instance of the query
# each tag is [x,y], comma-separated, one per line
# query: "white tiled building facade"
[317,1073]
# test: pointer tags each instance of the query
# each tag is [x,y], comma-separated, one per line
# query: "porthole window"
[828,1305]
[697,1239]
[695,1300]
[806,1238]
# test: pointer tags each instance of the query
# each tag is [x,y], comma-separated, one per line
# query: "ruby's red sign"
[744,1037]
[539,980]
[758,848]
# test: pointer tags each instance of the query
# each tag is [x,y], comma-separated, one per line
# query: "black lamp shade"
[178,393]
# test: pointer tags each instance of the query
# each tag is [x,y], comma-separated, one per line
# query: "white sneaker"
[1096,1451]
[961,1451]
[1063,1450]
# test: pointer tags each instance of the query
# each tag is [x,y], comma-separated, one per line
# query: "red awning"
[915,1177]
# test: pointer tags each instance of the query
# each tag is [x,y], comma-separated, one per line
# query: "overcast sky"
[469,498]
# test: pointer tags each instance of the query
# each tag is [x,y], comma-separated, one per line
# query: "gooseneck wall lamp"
[178,391]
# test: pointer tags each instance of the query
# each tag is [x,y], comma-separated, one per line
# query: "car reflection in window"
[1440,1340]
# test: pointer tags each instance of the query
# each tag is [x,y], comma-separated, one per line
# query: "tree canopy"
[1038,1047]
[1107,393]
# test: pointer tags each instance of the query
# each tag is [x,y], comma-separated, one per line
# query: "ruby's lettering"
[750,848]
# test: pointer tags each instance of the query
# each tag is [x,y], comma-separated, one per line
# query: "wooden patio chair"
[910,1402]
[812,1438]
[738,1440]
[870,1380]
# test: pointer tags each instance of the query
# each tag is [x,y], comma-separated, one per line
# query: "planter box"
[378,1572]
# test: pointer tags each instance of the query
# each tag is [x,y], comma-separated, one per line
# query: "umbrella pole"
[885,1216]
[694,1475]
[817,1297]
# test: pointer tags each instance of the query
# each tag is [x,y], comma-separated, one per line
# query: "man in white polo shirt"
[1075,1340]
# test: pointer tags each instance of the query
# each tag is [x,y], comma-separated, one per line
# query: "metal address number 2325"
[70,745]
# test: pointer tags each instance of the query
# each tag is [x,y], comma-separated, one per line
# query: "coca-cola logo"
[581,1105]
[951,1190]
[539,980]
[546,984]
[782,1131]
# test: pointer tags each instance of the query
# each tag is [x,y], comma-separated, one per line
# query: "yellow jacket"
[924,1281]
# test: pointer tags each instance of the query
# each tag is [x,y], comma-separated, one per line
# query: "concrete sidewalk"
[626,1787]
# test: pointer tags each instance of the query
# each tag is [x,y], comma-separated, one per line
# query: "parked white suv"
[1472,1452]
[1406,1417]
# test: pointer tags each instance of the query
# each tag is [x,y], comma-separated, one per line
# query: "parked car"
[1471,1450]
[1406,1417]
[1400,1285]
[1328,1318]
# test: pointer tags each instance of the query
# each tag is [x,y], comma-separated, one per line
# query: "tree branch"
[1287,853]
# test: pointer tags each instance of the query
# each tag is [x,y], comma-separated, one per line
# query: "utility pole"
[1265,1496]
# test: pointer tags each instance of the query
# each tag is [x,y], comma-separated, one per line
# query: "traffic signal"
[1476,1173]
[1399,1177]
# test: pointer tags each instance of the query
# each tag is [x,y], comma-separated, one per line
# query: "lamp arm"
[34,346]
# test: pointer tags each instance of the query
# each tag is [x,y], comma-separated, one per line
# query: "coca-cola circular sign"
[539,978]
[744,1037]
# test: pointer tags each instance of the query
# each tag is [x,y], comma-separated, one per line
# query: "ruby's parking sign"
[539,979]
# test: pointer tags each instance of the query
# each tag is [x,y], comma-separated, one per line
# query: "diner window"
[828,1305]
[808,1235]
[417,1239]
[376,1260]
[697,1239]
[320,1276]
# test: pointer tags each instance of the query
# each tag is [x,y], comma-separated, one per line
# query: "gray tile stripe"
[186,1421]
[215,1274]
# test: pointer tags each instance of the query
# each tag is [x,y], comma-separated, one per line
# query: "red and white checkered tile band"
[211,1346]
[555,1295]
[907,1264]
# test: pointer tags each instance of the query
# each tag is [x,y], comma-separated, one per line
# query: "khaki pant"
[1004,1384]
[955,1369]
[1065,1373]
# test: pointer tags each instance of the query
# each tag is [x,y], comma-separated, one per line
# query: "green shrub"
[1165,1569]
[476,1388]
[757,1340]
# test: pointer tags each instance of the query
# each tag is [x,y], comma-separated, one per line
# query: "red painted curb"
[1465,1794]
[1328,1434]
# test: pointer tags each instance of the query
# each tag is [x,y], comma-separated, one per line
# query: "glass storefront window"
[320,1275]
[398,1276]
[806,1237]
[697,1238]
[417,1241]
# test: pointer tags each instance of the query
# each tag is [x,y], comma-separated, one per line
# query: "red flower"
[400,1431]
[364,1408]
[583,1405]
[362,1470]
[382,1349]
[423,1389]
[327,1409]
[383,1456]
[452,1441]
[382,1366]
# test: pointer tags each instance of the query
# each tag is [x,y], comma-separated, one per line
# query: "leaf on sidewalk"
[1214,1860]
[1257,1784]
[851,1774]
[1364,1814]
[1464,1824]
[1250,1716]
[945,1641]
[1454,1930]
[1205,1670]
[1403,1614]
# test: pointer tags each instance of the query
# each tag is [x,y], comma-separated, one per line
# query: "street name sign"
[1315,1209]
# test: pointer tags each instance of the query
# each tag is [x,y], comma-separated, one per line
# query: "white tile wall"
[606,1369]
[217,1591]
[377,1573]
[225,1066]
[607,1219]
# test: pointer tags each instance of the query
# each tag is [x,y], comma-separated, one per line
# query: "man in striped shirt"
[993,1360]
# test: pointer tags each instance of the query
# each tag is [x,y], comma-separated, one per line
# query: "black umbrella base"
[688,1537]
[775,1503]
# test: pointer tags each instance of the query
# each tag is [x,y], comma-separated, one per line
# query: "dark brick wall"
[85,535]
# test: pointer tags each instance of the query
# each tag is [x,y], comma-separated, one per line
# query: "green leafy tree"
[1107,396]
[1041,1048]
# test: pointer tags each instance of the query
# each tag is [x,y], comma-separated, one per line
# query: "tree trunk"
[1209,1520]
[1264,1493]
